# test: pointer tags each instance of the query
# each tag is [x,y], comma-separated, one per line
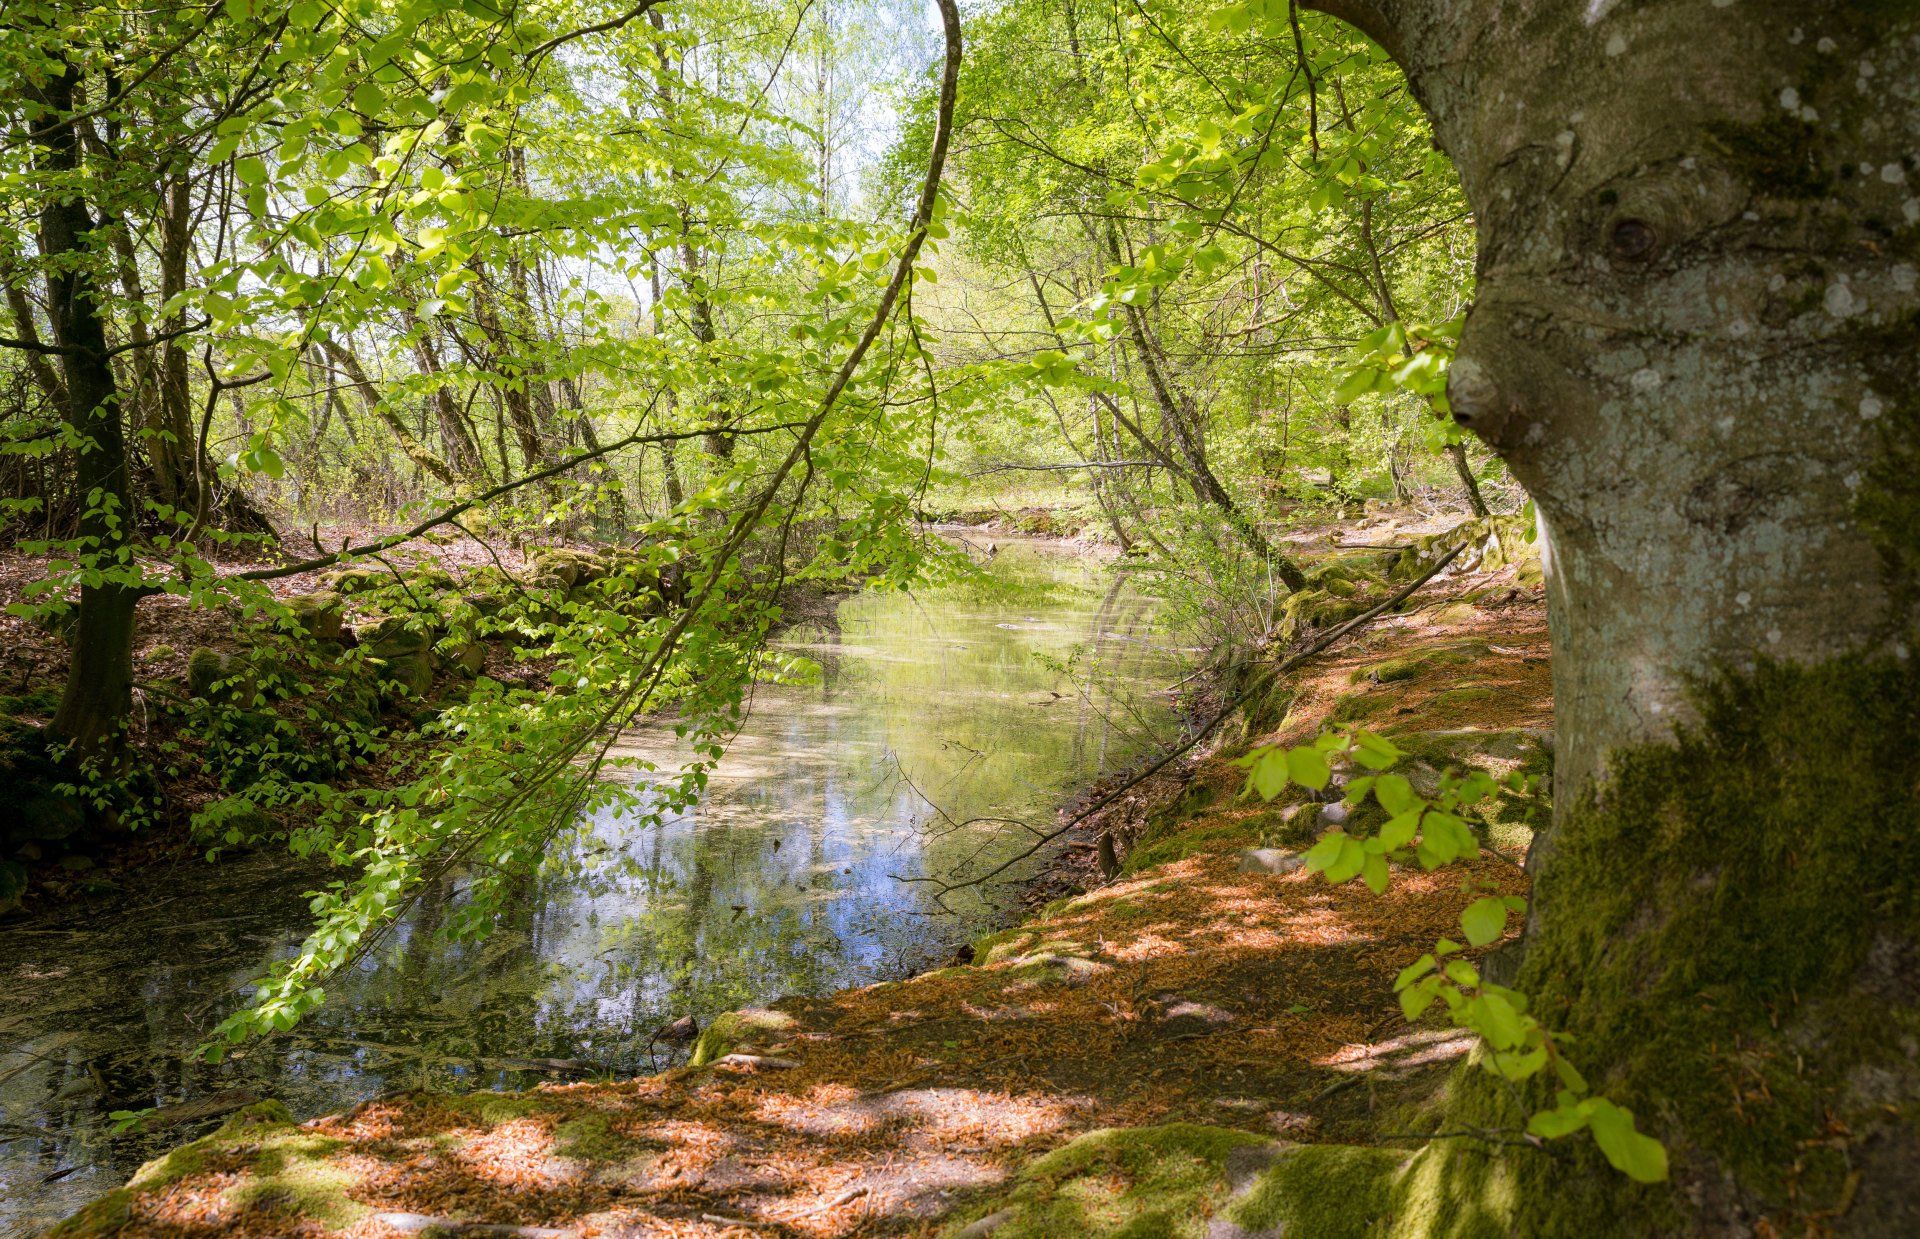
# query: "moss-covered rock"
[275,1174]
[355,580]
[1140,1183]
[756,1026]
[320,616]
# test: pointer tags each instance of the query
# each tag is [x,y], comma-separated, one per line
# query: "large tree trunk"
[1693,342]
[98,696]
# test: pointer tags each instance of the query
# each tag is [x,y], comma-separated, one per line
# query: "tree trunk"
[98,697]
[1470,485]
[1693,343]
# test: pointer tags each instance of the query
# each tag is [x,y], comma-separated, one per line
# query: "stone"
[320,615]
[221,677]
[350,581]
[412,671]
[985,1226]
[1269,860]
[468,658]
[392,636]
[1335,814]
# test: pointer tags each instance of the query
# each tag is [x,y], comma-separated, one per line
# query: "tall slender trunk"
[343,359]
[98,697]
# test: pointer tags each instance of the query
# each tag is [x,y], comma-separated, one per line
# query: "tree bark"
[1692,341]
[98,696]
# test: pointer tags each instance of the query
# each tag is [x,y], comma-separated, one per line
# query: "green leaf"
[1637,1155]
[1414,971]
[1308,767]
[1399,831]
[1351,860]
[1415,999]
[1560,1121]
[1374,873]
[1484,920]
[1269,774]
[1325,852]
[1396,795]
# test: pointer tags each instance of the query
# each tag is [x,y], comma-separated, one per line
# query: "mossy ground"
[1190,1008]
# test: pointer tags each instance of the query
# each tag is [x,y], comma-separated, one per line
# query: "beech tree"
[1692,341]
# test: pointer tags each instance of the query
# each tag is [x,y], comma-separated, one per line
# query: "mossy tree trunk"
[1693,341]
[98,697]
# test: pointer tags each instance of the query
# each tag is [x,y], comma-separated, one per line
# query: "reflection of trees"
[637,925]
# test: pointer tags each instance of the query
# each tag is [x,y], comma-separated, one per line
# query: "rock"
[350,581]
[211,1106]
[205,670]
[728,1031]
[412,672]
[985,1226]
[753,1062]
[1335,814]
[158,653]
[1269,860]
[13,886]
[392,636]
[320,615]
[468,658]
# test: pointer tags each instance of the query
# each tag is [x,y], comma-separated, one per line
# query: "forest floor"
[1208,1006]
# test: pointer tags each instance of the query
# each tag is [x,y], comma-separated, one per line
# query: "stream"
[992,698]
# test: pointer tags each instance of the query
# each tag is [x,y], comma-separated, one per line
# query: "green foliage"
[1434,831]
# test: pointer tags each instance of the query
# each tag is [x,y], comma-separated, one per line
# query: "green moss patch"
[1185,843]
[1329,1191]
[734,1029]
[1140,1183]
[1410,666]
[283,1172]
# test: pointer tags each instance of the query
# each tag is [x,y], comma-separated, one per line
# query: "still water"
[994,698]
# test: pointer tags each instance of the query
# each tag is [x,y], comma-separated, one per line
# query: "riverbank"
[1208,1001]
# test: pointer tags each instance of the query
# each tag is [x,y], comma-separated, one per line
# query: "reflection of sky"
[782,880]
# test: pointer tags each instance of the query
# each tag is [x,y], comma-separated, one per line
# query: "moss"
[1730,935]
[279,1170]
[733,1029]
[591,1138]
[1182,844]
[1141,1183]
[1328,1191]
[1465,695]
[40,703]
[1418,663]
[494,1108]
[1006,943]
[292,1177]
[109,1215]
[1358,707]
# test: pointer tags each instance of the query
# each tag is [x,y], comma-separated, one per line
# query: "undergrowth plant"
[1432,832]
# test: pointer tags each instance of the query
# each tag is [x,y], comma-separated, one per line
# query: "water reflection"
[933,710]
